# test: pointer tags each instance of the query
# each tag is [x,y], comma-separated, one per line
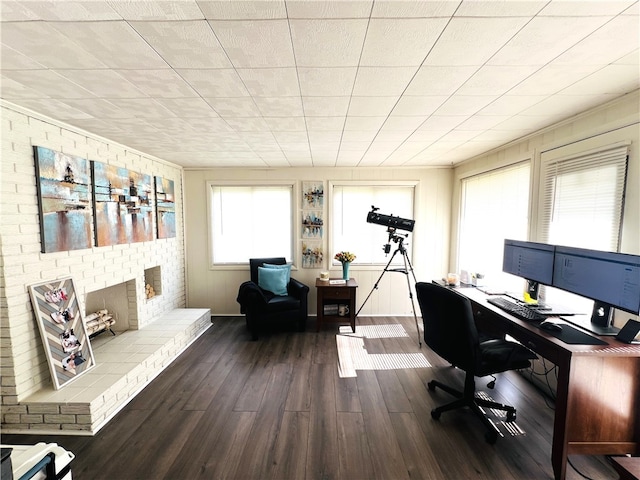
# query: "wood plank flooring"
[230,408]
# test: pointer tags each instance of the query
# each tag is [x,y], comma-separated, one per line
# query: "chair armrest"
[250,294]
[297,289]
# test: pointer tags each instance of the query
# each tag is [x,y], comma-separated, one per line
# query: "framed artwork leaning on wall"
[62,329]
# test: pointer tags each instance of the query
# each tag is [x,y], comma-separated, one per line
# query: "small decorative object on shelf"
[345,258]
[149,291]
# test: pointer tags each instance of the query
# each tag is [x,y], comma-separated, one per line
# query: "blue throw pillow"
[286,267]
[273,280]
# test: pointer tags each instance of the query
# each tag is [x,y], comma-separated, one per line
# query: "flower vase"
[345,270]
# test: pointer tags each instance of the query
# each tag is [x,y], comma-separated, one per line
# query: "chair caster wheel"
[491,437]
[511,416]
[435,414]
[431,386]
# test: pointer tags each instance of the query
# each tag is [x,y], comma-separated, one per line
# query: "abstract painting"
[62,329]
[312,195]
[312,224]
[64,201]
[312,254]
[165,208]
[122,205]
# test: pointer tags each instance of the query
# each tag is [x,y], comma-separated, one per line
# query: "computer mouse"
[551,325]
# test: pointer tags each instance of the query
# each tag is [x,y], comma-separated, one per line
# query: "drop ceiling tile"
[465,105]
[511,104]
[440,123]
[290,137]
[397,123]
[234,107]
[329,9]
[562,106]
[544,38]
[439,80]
[418,106]
[328,82]
[354,146]
[296,148]
[96,107]
[244,10]
[47,46]
[130,51]
[159,83]
[323,124]
[54,108]
[48,83]
[496,79]
[103,83]
[329,138]
[325,106]
[500,8]
[412,39]
[472,41]
[245,124]
[382,81]
[364,123]
[256,44]
[525,124]
[55,10]
[605,44]
[617,79]
[482,122]
[279,106]
[188,107]
[14,60]
[551,79]
[372,106]
[282,124]
[327,43]
[357,136]
[270,82]
[13,90]
[593,8]
[221,82]
[348,158]
[409,9]
[189,44]
[632,58]
[149,10]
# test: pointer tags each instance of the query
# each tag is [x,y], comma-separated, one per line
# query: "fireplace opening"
[119,301]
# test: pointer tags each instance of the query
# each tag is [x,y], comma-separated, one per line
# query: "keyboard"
[516,309]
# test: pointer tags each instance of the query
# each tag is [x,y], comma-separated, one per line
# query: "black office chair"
[450,331]
[263,308]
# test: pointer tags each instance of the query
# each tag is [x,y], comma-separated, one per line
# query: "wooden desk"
[334,296]
[598,392]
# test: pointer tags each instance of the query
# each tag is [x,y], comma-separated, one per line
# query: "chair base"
[468,399]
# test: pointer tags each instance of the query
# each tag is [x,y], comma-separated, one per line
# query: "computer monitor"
[611,279]
[530,260]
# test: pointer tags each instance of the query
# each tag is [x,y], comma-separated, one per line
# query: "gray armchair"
[264,309]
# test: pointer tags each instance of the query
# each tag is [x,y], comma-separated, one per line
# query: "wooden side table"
[330,300]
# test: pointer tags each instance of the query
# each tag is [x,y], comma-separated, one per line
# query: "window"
[581,204]
[494,206]
[349,228]
[249,221]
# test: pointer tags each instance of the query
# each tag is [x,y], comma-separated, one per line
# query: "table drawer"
[336,292]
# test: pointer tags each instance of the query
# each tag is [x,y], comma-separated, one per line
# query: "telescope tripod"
[408,268]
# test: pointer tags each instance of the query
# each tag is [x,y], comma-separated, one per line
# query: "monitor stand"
[602,319]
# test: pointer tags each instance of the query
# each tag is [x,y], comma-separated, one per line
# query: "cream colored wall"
[217,288]
[616,121]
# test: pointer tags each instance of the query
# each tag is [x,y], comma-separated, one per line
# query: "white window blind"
[349,227]
[582,199]
[494,206]
[251,221]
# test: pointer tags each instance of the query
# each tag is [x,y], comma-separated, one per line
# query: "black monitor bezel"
[624,258]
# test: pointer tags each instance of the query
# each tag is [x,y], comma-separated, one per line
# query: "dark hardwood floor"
[277,409]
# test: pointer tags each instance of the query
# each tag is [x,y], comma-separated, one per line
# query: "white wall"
[24,368]
[217,288]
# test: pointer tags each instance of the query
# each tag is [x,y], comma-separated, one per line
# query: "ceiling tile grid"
[276,83]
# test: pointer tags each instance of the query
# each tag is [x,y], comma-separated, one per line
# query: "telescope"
[389,220]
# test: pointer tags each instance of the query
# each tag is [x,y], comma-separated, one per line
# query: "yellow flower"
[345,257]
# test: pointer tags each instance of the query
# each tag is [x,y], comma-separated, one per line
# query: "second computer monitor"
[530,260]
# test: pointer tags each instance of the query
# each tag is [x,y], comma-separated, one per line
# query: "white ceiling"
[278,83]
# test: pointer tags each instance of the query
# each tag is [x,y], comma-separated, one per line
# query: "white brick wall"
[24,366]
